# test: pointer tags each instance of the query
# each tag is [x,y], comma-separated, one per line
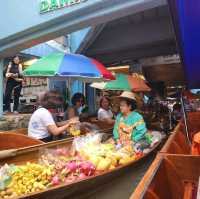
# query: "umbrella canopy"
[68,65]
[124,82]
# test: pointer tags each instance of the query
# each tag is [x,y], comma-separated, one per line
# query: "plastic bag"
[5,177]
[90,139]
[87,127]
[54,157]
[156,137]
[75,130]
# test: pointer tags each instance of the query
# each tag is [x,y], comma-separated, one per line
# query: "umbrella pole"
[185,119]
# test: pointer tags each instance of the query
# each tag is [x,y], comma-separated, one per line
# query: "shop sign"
[50,5]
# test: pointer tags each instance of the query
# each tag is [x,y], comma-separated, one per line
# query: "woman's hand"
[53,129]
[118,142]
[9,75]
[73,121]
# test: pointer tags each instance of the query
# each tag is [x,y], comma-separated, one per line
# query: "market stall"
[59,170]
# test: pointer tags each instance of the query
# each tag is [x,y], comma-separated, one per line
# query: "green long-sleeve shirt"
[138,132]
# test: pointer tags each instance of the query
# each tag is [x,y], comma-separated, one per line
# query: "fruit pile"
[106,157]
[25,179]
[75,130]
[62,166]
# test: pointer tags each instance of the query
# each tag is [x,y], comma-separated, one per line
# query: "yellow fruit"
[94,160]
[9,191]
[29,187]
[33,190]
[112,167]
[104,164]
[126,160]
[35,184]
[3,193]
[41,186]
[113,160]
[14,195]
[18,192]
[117,155]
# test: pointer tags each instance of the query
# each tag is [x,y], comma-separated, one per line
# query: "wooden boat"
[18,138]
[176,143]
[75,189]
[170,177]
[192,122]
[23,131]
[11,140]
[98,123]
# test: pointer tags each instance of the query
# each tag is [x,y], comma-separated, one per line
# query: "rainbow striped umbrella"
[69,65]
[124,82]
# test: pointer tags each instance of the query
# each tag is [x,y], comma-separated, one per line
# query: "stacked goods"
[87,157]
[24,179]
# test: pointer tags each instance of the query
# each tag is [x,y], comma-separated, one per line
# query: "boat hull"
[170,176]
[78,188]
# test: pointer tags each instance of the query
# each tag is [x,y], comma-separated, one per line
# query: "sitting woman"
[105,113]
[42,124]
[130,127]
[78,107]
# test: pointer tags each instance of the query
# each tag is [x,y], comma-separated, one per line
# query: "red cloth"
[196,144]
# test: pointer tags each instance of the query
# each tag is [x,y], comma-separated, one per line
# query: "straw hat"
[128,94]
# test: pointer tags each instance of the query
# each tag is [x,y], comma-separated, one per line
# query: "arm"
[49,123]
[72,120]
[139,130]
[8,74]
[63,123]
[20,70]
[54,130]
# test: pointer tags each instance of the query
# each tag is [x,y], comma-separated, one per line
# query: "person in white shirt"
[42,125]
[104,112]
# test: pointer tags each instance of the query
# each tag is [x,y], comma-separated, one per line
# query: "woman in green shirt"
[129,126]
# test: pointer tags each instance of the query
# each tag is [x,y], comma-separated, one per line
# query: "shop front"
[46,20]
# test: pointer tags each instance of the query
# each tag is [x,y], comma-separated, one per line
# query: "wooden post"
[1,87]
[185,119]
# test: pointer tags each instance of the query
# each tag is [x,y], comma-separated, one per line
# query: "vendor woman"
[42,126]
[129,126]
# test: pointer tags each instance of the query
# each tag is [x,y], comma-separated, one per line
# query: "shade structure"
[124,82]
[99,85]
[68,65]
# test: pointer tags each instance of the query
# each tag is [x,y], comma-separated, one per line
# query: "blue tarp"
[186,19]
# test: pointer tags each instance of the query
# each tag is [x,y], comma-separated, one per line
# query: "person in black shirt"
[14,83]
